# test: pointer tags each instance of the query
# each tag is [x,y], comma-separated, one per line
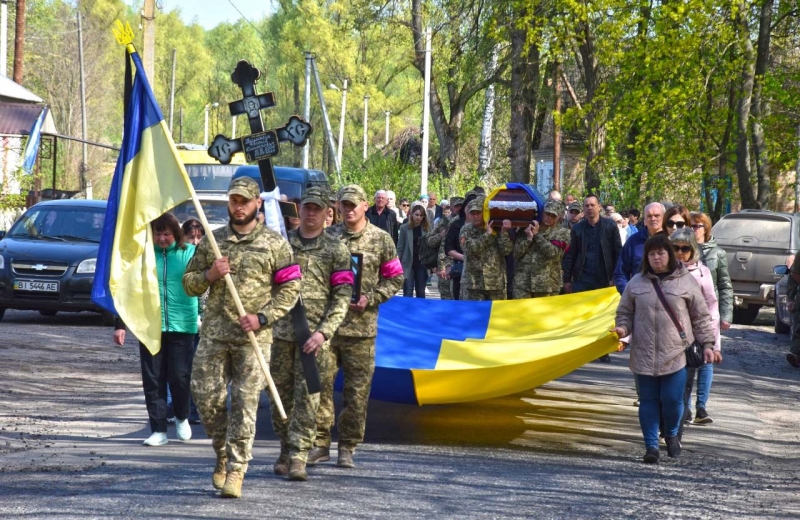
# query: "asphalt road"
[72,419]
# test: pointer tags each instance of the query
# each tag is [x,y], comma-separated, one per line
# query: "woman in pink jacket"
[688,252]
[658,358]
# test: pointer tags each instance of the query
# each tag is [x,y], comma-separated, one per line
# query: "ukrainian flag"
[435,352]
[148,181]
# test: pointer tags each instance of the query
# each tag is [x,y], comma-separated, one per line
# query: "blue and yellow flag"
[149,180]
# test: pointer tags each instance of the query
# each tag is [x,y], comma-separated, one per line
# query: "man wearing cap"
[539,251]
[436,239]
[484,276]
[573,216]
[353,346]
[325,292]
[262,266]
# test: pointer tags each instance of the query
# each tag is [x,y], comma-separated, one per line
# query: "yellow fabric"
[154,182]
[527,343]
[490,196]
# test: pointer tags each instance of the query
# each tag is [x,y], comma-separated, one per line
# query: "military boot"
[281,466]
[318,454]
[220,472]
[345,458]
[233,484]
[297,471]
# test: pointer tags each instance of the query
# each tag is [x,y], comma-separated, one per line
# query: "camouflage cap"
[353,193]
[475,205]
[247,187]
[315,195]
[575,205]
[554,207]
[456,201]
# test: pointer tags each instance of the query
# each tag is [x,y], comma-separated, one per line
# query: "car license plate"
[34,285]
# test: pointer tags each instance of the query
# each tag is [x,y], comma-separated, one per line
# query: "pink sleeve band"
[342,278]
[392,268]
[287,274]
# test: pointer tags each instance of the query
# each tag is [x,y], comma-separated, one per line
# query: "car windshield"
[60,223]
[216,211]
[211,177]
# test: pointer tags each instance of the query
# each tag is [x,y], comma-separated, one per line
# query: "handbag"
[694,352]
[456,269]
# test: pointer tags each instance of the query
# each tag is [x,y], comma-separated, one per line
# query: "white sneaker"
[157,439]
[183,430]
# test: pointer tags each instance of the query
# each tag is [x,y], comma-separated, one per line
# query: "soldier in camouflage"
[325,292]
[261,264]
[353,347]
[484,276]
[436,239]
[538,252]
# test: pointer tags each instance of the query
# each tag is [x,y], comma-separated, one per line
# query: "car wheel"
[746,316]
[48,313]
[781,327]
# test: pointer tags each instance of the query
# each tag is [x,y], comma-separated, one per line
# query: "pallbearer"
[325,290]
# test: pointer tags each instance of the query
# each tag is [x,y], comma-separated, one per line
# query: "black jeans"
[417,283]
[172,364]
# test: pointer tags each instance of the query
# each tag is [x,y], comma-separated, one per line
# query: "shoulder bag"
[694,352]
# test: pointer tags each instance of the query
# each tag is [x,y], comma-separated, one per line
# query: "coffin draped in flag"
[148,181]
[435,352]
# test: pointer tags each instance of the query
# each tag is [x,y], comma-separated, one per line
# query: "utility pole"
[84,157]
[387,112]
[205,127]
[326,121]
[341,124]
[149,30]
[797,175]
[233,126]
[307,110]
[557,131]
[3,37]
[366,120]
[172,89]
[426,113]
[19,42]
[180,122]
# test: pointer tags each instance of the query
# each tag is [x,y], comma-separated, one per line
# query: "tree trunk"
[743,171]
[757,108]
[485,150]
[19,42]
[524,92]
[722,172]
[595,117]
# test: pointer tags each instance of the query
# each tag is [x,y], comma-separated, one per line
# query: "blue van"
[291,181]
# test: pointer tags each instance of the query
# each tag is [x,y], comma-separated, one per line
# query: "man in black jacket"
[380,215]
[594,248]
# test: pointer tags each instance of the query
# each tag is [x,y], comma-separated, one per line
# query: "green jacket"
[715,258]
[178,310]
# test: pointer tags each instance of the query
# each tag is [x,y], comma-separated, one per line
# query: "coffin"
[519,203]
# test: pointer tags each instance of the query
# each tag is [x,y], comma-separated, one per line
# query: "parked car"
[48,257]
[755,242]
[783,318]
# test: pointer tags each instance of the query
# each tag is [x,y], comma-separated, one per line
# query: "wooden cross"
[261,145]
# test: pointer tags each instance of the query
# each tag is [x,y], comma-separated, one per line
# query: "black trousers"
[172,364]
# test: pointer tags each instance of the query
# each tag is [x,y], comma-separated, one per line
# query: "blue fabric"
[32,146]
[630,260]
[666,391]
[705,374]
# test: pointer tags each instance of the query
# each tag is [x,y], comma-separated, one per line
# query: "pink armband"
[287,274]
[392,268]
[342,278]
[561,245]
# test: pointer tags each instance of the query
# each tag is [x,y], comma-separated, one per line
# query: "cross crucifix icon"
[261,145]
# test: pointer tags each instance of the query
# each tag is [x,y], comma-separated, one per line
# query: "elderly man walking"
[381,216]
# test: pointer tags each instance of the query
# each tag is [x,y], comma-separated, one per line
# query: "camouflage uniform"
[435,239]
[268,281]
[325,291]
[353,347]
[539,259]
[484,276]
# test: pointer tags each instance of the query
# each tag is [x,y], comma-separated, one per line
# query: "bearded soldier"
[353,347]
[484,275]
[325,292]
[539,251]
[262,267]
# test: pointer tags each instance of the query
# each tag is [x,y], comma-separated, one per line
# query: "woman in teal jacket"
[173,364]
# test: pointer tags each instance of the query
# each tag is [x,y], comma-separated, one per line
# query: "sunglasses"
[404,205]
[676,223]
[698,226]
[682,249]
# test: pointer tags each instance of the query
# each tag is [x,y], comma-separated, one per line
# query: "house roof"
[12,91]
[17,119]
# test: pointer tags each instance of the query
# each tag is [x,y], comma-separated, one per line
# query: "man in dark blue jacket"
[630,260]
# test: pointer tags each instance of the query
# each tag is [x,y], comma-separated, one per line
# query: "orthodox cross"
[261,145]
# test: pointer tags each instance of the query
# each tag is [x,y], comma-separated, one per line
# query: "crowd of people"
[574,246]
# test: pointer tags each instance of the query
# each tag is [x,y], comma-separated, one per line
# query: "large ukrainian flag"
[149,180]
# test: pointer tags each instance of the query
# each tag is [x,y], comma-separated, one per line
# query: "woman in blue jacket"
[173,363]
